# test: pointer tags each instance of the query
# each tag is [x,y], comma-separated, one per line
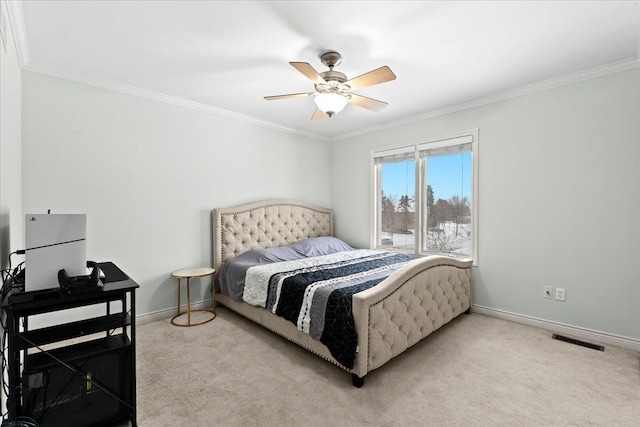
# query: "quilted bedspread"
[316,293]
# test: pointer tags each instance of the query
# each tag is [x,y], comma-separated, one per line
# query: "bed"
[420,295]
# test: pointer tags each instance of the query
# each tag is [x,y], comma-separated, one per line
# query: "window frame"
[417,147]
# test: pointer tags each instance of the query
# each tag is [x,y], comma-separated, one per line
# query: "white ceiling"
[225,56]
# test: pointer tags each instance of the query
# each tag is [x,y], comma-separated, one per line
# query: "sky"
[447,175]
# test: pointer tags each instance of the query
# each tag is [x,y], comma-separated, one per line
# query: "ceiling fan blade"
[377,76]
[368,103]
[318,114]
[290,95]
[309,72]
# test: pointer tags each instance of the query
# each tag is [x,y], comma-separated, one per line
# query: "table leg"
[132,301]
[178,306]
[188,301]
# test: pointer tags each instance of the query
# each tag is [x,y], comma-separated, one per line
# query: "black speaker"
[54,395]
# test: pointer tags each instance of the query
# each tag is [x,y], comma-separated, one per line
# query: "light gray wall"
[559,199]
[11,235]
[148,174]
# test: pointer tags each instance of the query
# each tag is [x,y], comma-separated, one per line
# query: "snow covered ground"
[447,239]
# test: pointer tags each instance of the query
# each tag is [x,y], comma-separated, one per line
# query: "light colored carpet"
[476,371]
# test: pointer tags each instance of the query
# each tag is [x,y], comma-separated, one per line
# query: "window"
[425,196]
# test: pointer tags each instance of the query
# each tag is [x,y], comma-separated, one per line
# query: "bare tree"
[439,240]
[460,209]
[451,219]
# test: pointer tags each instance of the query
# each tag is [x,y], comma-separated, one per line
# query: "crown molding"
[16,20]
[592,73]
[167,99]
[568,79]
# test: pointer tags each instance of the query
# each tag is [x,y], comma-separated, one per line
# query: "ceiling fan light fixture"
[331,103]
[333,91]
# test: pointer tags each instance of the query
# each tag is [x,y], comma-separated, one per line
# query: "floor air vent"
[578,342]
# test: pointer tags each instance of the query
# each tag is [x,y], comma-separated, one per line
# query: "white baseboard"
[170,312]
[574,331]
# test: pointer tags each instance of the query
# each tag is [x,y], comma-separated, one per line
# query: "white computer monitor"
[54,242]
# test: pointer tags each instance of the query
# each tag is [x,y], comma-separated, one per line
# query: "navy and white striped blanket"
[316,293]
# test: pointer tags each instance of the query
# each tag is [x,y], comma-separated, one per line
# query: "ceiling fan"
[333,90]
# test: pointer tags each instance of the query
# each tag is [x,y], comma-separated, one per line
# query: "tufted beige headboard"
[266,224]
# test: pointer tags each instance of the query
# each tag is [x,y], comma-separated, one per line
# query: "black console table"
[89,383]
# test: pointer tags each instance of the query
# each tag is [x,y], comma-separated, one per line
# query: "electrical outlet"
[548,292]
[560,294]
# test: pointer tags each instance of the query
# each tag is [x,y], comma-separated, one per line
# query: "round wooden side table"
[191,273]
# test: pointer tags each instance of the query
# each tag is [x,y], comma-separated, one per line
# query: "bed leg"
[357,381]
[468,311]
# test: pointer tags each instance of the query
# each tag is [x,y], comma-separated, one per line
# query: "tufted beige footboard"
[408,306]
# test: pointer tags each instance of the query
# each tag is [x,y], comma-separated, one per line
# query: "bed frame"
[389,318]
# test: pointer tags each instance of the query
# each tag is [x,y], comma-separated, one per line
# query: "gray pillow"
[318,246]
